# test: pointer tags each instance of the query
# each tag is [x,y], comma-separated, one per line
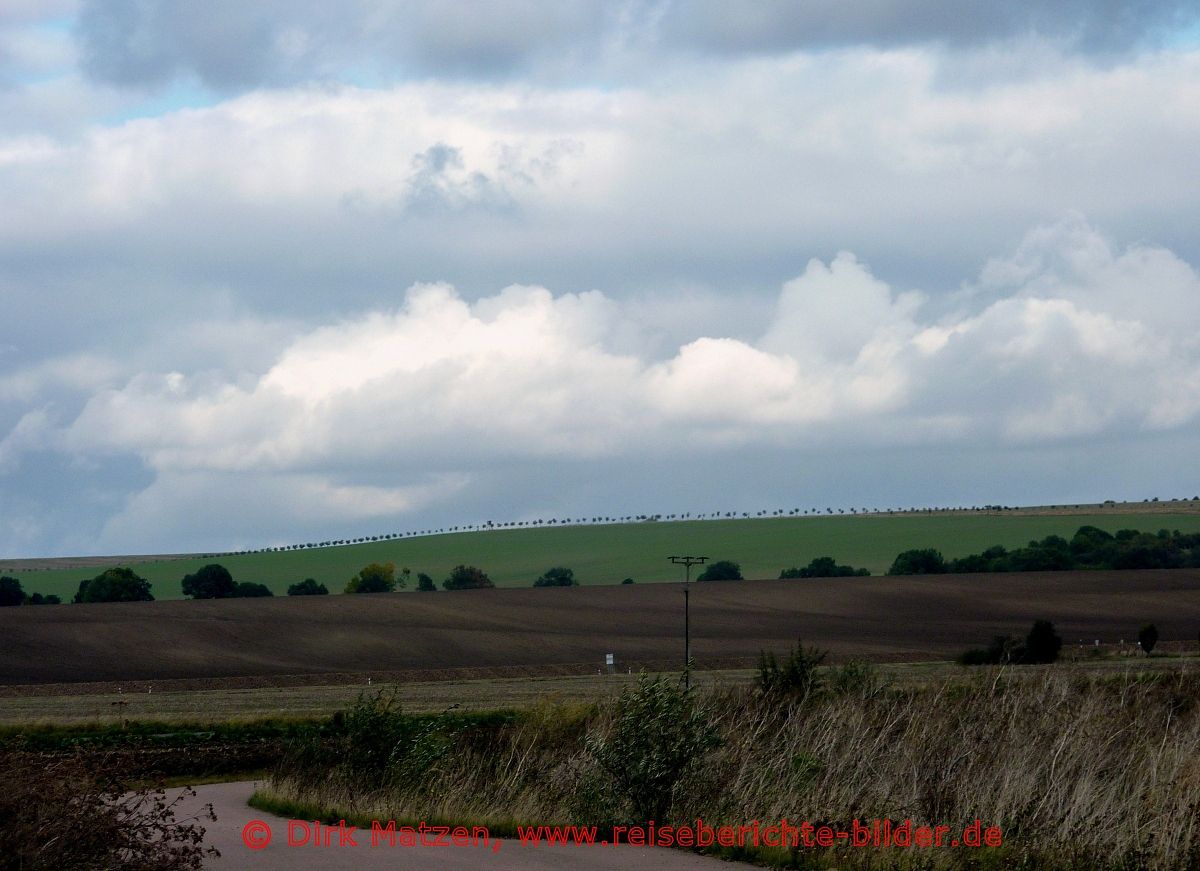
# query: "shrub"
[251,590]
[10,591]
[59,815]
[798,675]
[374,578]
[39,599]
[308,587]
[721,570]
[211,582]
[824,567]
[628,581]
[559,576]
[425,583]
[1042,644]
[1148,637]
[115,585]
[373,744]
[658,736]
[926,561]
[467,578]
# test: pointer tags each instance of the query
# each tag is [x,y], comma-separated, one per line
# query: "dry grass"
[1080,769]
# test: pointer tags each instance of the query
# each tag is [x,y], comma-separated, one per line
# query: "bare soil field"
[903,618]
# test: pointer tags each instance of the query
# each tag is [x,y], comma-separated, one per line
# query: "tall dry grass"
[1079,771]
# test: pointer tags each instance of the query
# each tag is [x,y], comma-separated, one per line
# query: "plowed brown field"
[886,618]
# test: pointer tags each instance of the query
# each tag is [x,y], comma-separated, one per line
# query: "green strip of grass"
[606,554]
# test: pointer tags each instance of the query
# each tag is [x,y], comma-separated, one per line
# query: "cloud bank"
[1056,342]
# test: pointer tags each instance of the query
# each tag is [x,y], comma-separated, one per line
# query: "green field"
[605,554]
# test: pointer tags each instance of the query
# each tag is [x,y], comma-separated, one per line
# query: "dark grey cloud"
[230,44]
[780,25]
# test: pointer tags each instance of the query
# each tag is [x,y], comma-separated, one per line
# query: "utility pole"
[687,562]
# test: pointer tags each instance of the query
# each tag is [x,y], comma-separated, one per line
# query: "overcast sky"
[295,270]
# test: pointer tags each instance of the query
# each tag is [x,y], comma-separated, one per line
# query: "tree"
[308,587]
[467,578]
[425,583]
[118,584]
[721,570]
[919,562]
[1042,644]
[251,590]
[559,576]
[10,591]
[211,582]
[628,581]
[1148,637]
[39,599]
[374,578]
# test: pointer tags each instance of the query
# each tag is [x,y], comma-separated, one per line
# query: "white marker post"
[610,661]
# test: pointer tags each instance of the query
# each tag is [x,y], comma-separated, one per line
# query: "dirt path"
[233,815]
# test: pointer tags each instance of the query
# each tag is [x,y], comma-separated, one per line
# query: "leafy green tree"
[251,590]
[425,583]
[721,570]
[10,591]
[374,578]
[559,576]
[308,587]
[211,582]
[118,584]
[467,578]
[39,599]
[926,561]
[1148,637]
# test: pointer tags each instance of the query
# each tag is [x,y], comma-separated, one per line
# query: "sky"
[292,270]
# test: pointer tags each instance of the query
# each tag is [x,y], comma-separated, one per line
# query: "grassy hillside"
[607,554]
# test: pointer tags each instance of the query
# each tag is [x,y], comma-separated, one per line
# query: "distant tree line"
[11,593]
[1090,548]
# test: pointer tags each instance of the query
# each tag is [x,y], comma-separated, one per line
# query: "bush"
[251,590]
[372,744]
[1148,637]
[721,570]
[115,585]
[10,592]
[374,578]
[58,815]
[559,576]
[919,562]
[658,736]
[628,581]
[467,578]
[824,567]
[425,583]
[1042,644]
[308,587]
[798,675]
[39,599]
[211,582]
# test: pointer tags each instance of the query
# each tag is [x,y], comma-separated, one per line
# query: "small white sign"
[608,659]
